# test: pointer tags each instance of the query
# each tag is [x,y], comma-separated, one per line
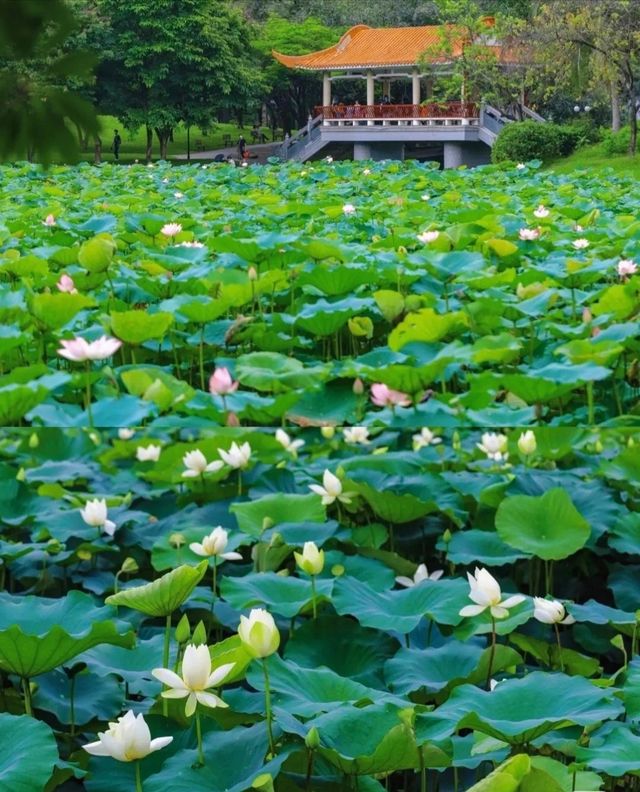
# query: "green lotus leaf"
[426,326]
[39,634]
[277,508]
[506,777]
[475,546]
[55,310]
[164,595]
[616,752]
[401,611]
[284,595]
[96,254]
[136,327]
[28,753]
[521,710]
[548,526]
[271,371]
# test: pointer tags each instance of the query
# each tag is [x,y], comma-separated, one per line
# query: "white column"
[326,89]
[370,92]
[415,84]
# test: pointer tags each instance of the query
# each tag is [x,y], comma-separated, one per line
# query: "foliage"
[616,142]
[530,140]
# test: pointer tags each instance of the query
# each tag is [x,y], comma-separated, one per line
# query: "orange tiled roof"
[366,47]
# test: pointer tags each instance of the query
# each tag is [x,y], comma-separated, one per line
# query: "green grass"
[134,143]
[594,157]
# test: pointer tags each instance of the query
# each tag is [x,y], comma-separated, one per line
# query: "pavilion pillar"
[326,89]
[415,84]
[371,93]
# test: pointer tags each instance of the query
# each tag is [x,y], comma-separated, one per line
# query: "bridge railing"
[398,114]
[294,144]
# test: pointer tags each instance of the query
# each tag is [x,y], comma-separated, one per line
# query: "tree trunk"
[97,151]
[188,143]
[149,150]
[633,123]
[615,108]
[164,134]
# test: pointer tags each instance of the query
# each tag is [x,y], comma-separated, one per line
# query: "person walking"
[117,142]
[242,147]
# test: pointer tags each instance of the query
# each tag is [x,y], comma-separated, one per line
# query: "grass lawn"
[594,157]
[134,143]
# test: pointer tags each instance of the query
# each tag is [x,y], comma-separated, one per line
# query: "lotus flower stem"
[87,397]
[201,357]
[313,596]
[492,653]
[557,629]
[267,703]
[239,482]
[138,765]
[165,659]
[27,696]
[590,406]
[214,583]
[199,737]
[72,705]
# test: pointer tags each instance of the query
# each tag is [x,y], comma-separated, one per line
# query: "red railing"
[344,112]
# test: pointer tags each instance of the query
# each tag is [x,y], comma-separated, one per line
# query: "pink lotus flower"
[171,229]
[66,284]
[49,220]
[529,234]
[222,383]
[382,396]
[626,268]
[79,350]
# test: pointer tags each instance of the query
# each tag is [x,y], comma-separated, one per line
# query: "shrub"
[531,140]
[616,142]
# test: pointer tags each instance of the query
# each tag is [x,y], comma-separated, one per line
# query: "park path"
[263,150]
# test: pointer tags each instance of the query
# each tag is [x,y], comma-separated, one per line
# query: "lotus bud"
[232,419]
[129,566]
[267,522]
[276,540]
[455,441]
[199,634]
[598,447]
[631,442]
[328,432]
[183,630]
[402,251]
[312,740]
[34,441]
[527,443]
[253,274]
[259,633]
[447,536]
[84,555]
[54,546]
[337,570]
[21,475]
[263,782]
[311,560]
[177,540]
[587,316]
[94,437]
[358,386]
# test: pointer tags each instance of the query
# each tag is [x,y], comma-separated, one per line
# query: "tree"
[37,109]
[173,61]
[293,92]
[609,31]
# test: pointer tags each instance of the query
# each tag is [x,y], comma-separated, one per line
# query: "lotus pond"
[497,297]
[322,609]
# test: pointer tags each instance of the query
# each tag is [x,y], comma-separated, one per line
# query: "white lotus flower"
[178,195]
[237,456]
[550,612]
[171,229]
[149,454]
[425,438]
[125,434]
[328,159]
[331,489]
[366,171]
[626,268]
[311,560]
[197,677]
[196,464]
[356,435]
[95,514]
[494,445]
[349,209]
[259,633]
[214,544]
[421,573]
[580,244]
[542,211]
[425,197]
[529,234]
[288,443]
[520,166]
[485,592]
[126,740]
[428,236]
[527,442]
[194,244]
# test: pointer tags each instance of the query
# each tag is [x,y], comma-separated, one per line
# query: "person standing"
[242,146]
[117,142]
